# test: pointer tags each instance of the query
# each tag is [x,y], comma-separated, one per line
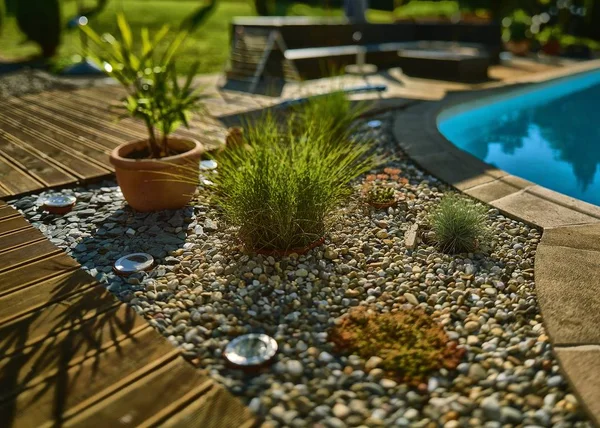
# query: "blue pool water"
[549,135]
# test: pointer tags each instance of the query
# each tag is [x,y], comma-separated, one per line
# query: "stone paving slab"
[540,211]
[498,189]
[568,288]
[583,237]
[582,363]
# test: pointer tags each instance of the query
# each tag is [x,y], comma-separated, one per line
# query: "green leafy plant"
[334,113]
[380,195]
[281,187]
[40,21]
[154,93]
[410,342]
[459,225]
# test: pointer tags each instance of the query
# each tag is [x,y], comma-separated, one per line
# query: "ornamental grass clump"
[459,224]
[281,188]
[409,342]
[334,113]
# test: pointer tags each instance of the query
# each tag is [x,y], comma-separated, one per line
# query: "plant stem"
[152,145]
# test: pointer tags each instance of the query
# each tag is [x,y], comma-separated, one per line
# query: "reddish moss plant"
[410,342]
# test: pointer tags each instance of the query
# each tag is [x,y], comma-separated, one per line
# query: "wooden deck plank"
[100,112]
[17,278]
[19,238]
[42,123]
[6,212]
[73,156]
[82,120]
[70,348]
[67,129]
[12,224]
[44,293]
[99,132]
[104,110]
[214,409]
[97,378]
[14,179]
[51,320]
[177,377]
[34,163]
[26,253]
[106,93]
[100,109]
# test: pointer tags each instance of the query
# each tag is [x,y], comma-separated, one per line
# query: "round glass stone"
[374,124]
[250,350]
[208,164]
[131,263]
[59,201]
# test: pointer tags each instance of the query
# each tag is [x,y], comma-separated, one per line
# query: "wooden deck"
[72,355]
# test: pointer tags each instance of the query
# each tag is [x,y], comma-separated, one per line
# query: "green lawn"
[209,44]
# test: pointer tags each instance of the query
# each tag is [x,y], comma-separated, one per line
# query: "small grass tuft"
[459,224]
[282,187]
[410,342]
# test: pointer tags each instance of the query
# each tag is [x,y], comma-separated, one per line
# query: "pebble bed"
[28,81]
[205,291]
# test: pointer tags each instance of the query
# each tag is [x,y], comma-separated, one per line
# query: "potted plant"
[519,43]
[159,172]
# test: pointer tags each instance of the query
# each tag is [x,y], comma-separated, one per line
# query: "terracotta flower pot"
[158,184]
[519,48]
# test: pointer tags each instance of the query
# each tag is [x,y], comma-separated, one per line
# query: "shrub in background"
[459,224]
[40,21]
[410,342]
[282,186]
[334,113]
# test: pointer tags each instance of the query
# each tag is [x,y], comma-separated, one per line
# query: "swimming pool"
[548,134]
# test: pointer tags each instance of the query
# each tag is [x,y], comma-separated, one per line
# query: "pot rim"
[118,160]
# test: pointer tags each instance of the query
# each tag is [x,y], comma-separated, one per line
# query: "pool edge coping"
[416,131]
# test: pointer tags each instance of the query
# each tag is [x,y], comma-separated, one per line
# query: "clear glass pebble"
[374,124]
[59,201]
[131,263]
[251,350]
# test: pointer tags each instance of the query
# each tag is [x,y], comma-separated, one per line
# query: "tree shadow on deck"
[47,350]
[61,351]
